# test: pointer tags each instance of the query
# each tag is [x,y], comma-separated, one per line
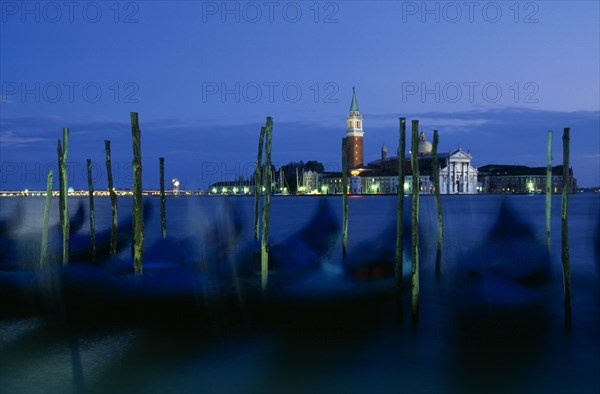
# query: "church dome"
[425,146]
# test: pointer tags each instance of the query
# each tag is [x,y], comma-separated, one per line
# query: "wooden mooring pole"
[163,204]
[44,247]
[400,207]
[344,198]
[91,210]
[63,154]
[264,261]
[548,190]
[113,201]
[566,262]
[257,181]
[438,203]
[138,216]
[414,159]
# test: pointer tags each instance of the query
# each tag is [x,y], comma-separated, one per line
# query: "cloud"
[466,121]
[589,156]
[9,138]
[449,125]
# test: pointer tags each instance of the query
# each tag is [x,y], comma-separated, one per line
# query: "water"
[341,340]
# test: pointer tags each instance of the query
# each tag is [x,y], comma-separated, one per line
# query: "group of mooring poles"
[265,176]
[400,211]
[414,277]
[138,218]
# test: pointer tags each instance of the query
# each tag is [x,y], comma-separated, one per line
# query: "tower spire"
[354,134]
[354,103]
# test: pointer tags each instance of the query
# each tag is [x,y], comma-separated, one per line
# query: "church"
[456,173]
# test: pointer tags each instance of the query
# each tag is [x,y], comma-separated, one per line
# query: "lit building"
[499,178]
[310,182]
[457,175]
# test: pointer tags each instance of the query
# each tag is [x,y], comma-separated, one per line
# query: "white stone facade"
[459,176]
[310,182]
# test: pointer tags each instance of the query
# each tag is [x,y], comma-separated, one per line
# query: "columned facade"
[459,176]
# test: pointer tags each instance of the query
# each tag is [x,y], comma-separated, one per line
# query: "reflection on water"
[198,322]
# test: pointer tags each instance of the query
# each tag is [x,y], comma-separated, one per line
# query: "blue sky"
[204,75]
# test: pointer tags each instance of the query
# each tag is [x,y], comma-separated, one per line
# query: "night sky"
[492,77]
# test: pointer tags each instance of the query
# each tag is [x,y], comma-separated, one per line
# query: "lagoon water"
[339,340]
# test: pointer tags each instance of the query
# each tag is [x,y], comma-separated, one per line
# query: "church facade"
[458,176]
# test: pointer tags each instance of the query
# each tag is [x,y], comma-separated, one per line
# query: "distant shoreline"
[201,193]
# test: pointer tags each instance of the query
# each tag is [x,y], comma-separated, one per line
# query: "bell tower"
[354,134]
